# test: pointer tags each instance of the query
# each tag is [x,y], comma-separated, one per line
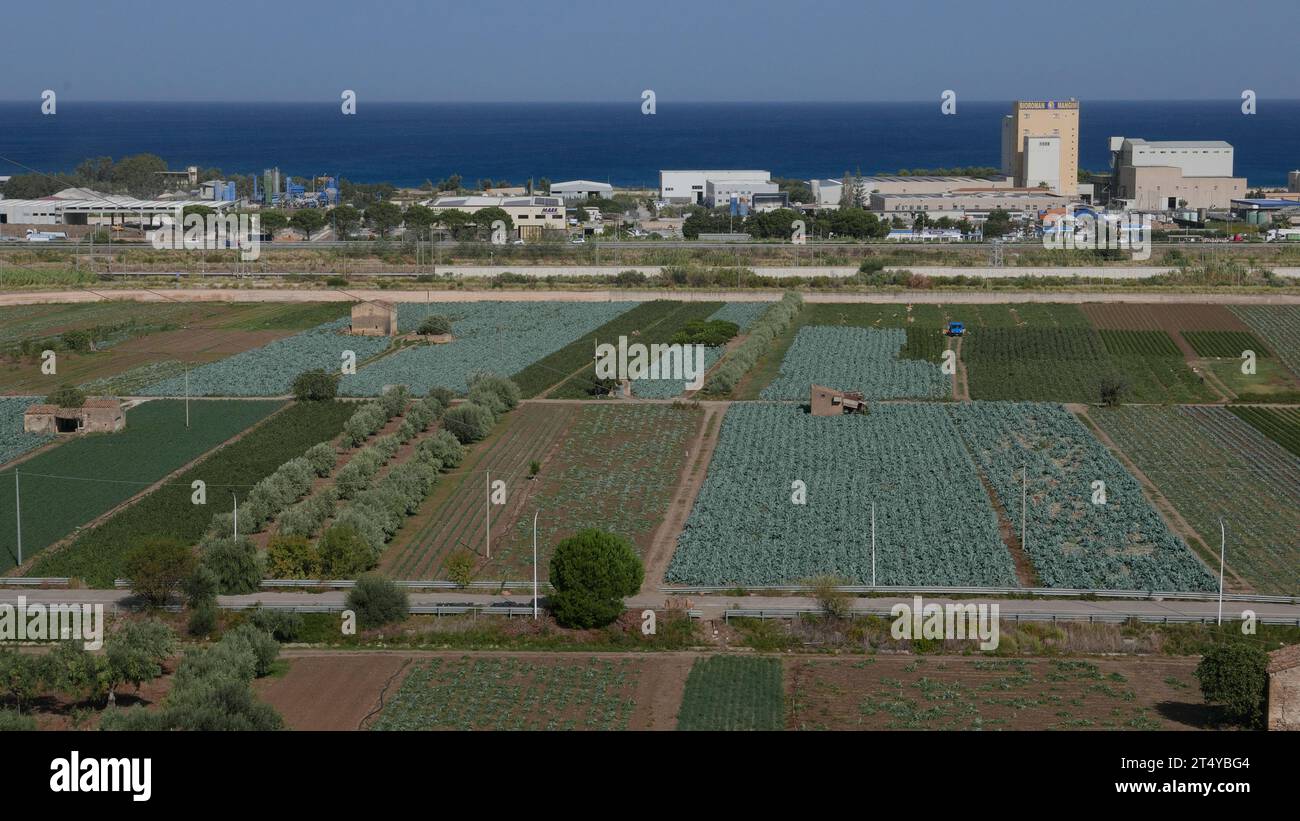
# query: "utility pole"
[1024,507]
[535,565]
[187,395]
[233,496]
[1222,551]
[873,544]
[18,516]
[487,512]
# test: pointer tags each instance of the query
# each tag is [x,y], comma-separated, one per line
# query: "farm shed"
[1284,688]
[374,319]
[830,402]
[95,416]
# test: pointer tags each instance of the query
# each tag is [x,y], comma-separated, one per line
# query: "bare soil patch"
[886,692]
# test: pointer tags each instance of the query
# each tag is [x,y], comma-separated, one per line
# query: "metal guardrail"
[1090,618]
[417,609]
[33,581]
[1050,592]
[343,584]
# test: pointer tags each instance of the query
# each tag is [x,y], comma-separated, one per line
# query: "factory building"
[721,193]
[1293,182]
[1042,119]
[575,190]
[690,187]
[826,192]
[531,215]
[80,206]
[1174,174]
[973,205]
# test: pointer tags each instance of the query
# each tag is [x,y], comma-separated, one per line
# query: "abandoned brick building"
[95,416]
[374,319]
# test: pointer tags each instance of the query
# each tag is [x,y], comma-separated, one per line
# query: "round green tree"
[1235,677]
[591,572]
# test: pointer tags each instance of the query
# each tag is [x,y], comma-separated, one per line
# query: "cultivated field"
[857,359]
[498,337]
[934,522]
[733,693]
[513,693]
[1211,465]
[1278,326]
[68,486]
[973,693]
[1075,538]
[14,441]
[600,465]
[97,553]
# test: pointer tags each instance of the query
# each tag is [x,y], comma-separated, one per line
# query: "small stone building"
[95,416]
[830,402]
[1284,688]
[374,319]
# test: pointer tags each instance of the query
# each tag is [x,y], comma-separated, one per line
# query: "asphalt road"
[713,607]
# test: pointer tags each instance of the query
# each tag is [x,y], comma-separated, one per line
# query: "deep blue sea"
[407,143]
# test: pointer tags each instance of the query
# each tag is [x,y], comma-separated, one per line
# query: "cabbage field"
[935,525]
[271,369]
[1072,542]
[856,359]
[500,337]
[14,442]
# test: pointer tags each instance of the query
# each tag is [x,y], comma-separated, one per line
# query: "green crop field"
[1229,344]
[96,555]
[1282,425]
[661,331]
[859,359]
[1076,539]
[1212,466]
[558,366]
[1068,364]
[733,693]
[508,693]
[1278,326]
[1139,343]
[935,524]
[86,476]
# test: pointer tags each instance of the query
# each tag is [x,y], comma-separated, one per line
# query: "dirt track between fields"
[694,470]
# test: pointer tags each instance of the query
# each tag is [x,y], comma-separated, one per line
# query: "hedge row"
[774,322]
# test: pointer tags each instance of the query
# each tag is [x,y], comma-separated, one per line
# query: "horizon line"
[637,100]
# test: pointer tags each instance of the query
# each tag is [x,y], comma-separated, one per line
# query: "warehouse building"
[826,192]
[80,206]
[1174,174]
[973,205]
[690,187]
[721,193]
[531,215]
[574,190]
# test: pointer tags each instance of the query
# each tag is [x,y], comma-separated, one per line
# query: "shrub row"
[774,322]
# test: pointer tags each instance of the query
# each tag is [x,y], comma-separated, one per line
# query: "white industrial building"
[582,190]
[692,186]
[1174,174]
[530,215]
[80,206]
[1042,162]
[720,193]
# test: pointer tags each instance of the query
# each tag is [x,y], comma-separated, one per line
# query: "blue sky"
[686,50]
